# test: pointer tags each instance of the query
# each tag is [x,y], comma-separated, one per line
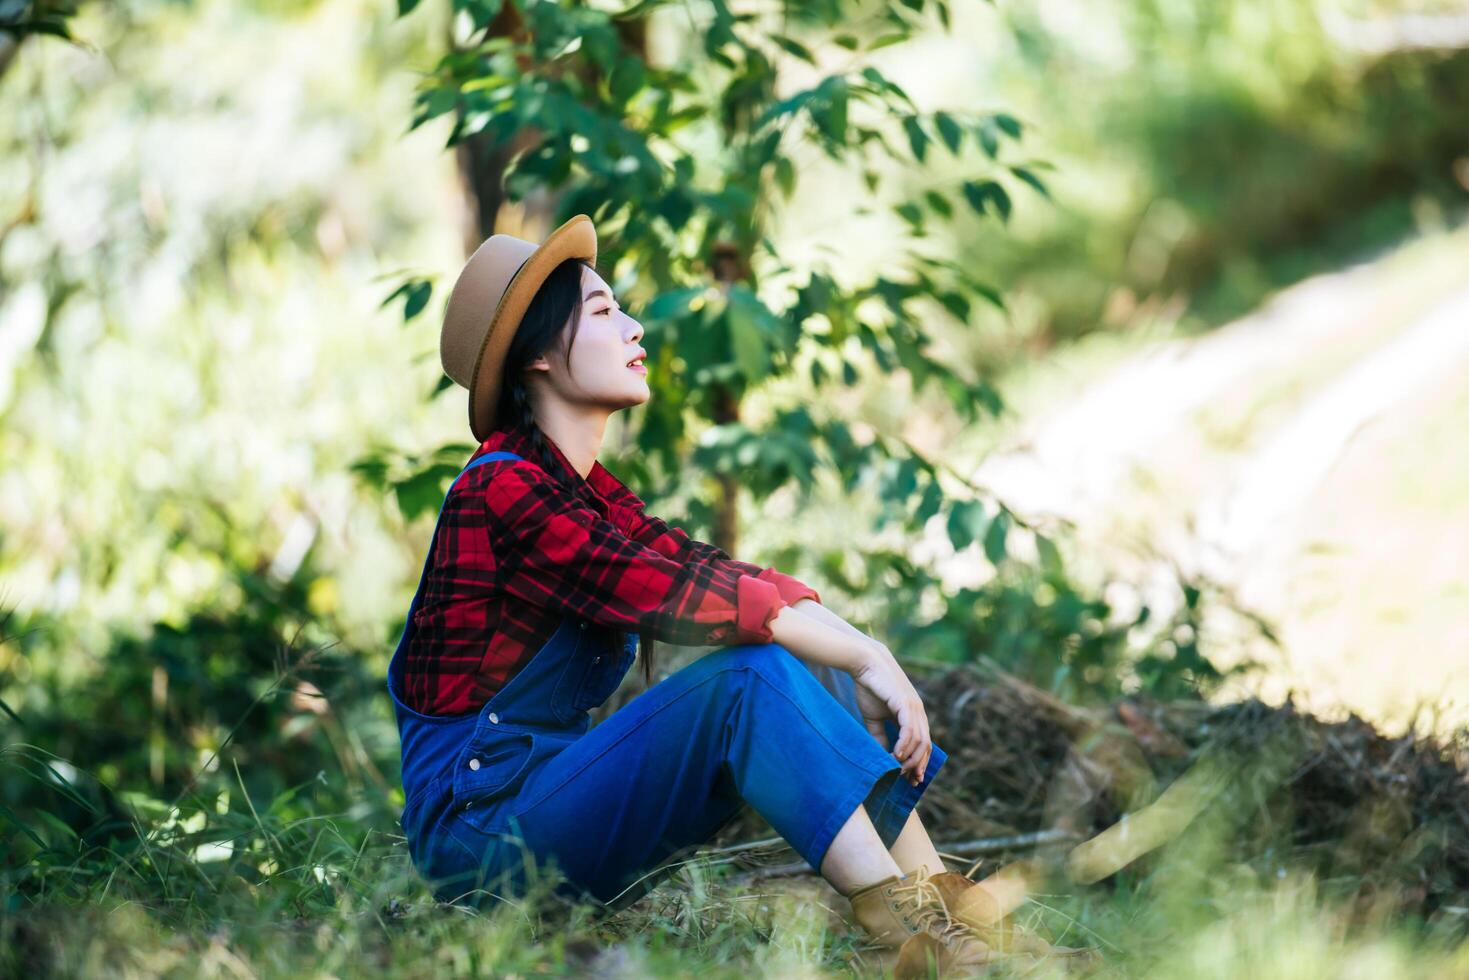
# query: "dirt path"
[1221,453]
[1281,477]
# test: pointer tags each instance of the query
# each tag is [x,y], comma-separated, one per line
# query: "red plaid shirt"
[516,553]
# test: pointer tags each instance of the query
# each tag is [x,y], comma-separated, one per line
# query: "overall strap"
[418,592]
[487,457]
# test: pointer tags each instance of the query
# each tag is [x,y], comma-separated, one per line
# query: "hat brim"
[576,238]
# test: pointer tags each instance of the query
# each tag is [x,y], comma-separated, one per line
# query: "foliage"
[1228,150]
[22,18]
[685,167]
[236,873]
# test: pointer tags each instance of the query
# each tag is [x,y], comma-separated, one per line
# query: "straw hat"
[487,303]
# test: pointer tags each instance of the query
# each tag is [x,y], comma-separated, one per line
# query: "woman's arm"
[677,544]
[554,551]
[817,641]
[823,614]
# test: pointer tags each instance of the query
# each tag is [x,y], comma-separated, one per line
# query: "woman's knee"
[768,658]
[771,663]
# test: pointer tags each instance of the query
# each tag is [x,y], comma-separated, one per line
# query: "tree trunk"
[483,160]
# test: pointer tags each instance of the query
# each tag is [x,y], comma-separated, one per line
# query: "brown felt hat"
[489,298]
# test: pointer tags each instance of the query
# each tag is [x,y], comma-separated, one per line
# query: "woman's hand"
[819,636]
[884,691]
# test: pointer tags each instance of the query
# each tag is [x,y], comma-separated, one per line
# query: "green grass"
[332,894]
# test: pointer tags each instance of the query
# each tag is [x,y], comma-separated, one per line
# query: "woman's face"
[607,339]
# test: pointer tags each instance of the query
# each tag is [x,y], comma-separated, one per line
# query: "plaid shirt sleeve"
[675,542]
[554,551]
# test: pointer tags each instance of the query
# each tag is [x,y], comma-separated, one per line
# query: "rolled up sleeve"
[791,589]
[760,602]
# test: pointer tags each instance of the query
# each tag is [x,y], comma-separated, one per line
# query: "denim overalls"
[523,783]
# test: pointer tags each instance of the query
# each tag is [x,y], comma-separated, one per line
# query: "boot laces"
[922,899]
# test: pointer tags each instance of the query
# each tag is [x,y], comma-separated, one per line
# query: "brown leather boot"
[987,916]
[908,915]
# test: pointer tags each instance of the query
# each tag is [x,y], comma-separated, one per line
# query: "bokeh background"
[1180,415]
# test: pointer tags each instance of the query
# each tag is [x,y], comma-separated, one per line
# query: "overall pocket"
[483,795]
[492,766]
[603,676]
[592,672]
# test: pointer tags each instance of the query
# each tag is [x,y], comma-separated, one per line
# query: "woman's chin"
[638,398]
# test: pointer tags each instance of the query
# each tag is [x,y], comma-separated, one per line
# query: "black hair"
[555,306]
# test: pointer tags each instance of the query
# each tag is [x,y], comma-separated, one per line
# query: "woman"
[545,576]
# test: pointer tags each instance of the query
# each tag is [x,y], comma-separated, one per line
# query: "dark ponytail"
[556,305]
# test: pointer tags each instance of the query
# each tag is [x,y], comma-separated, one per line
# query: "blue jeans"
[526,781]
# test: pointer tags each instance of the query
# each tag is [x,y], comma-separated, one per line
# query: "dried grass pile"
[1382,821]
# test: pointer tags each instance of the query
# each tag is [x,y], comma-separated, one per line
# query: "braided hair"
[555,306]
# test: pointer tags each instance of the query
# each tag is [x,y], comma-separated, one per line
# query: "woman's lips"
[640,369]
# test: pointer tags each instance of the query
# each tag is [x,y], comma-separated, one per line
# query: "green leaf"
[988,140]
[887,39]
[994,537]
[785,176]
[423,492]
[1025,174]
[975,194]
[482,11]
[628,78]
[39,25]
[436,101]
[918,140]
[990,293]
[417,299]
[910,212]
[903,480]
[966,522]
[1002,200]
[372,469]
[933,498]
[882,83]
[416,294]
[982,194]
[683,117]
[949,130]
[956,304]
[748,346]
[1050,556]
[792,46]
[830,112]
[672,305]
[751,327]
